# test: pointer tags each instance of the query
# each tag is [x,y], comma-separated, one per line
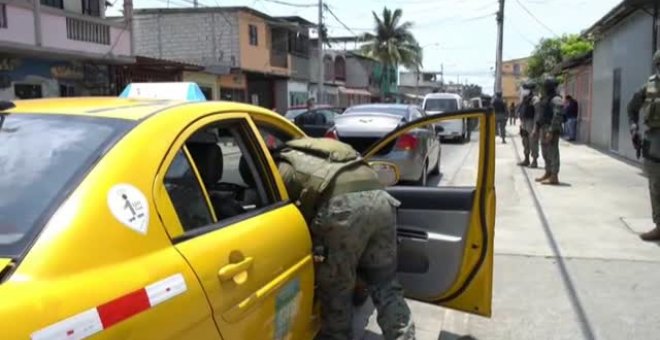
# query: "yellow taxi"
[160,218]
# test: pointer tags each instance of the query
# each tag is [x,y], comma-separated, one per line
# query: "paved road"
[568,262]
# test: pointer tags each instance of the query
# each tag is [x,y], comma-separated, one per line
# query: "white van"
[442,102]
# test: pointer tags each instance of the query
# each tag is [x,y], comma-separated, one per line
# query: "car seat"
[209,161]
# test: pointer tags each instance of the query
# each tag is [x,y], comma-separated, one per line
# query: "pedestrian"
[499,107]
[512,113]
[571,115]
[353,229]
[549,129]
[527,115]
[647,102]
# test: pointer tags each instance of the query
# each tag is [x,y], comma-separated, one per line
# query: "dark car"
[315,122]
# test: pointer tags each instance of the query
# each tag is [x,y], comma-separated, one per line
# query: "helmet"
[656,57]
[550,82]
[529,85]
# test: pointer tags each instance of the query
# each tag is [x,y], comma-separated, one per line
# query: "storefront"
[233,87]
[25,78]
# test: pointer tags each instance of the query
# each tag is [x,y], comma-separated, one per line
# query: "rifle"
[637,143]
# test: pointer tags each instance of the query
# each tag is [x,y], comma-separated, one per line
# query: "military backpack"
[326,168]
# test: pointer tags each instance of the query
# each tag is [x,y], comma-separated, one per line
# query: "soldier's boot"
[534,164]
[552,180]
[653,235]
[544,177]
[525,162]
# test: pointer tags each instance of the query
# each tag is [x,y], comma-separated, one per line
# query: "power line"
[338,20]
[286,3]
[535,18]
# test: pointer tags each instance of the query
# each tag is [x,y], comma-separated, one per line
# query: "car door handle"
[230,271]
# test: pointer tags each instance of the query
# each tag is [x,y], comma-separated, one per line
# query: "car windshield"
[440,104]
[395,110]
[42,158]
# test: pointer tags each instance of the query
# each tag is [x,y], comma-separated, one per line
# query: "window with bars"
[254,36]
[81,30]
[53,3]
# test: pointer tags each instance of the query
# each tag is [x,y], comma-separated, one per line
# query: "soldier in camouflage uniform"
[526,112]
[647,102]
[353,229]
[551,116]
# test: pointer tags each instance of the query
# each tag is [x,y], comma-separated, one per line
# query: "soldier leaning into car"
[353,227]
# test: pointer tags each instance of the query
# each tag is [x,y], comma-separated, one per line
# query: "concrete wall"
[626,46]
[209,38]
[357,73]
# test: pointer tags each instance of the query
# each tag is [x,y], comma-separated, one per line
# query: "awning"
[359,92]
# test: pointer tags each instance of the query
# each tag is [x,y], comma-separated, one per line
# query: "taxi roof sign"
[171,90]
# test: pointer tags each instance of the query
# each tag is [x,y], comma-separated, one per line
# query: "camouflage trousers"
[652,170]
[550,151]
[530,143]
[358,230]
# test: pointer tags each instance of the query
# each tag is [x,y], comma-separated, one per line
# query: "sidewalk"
[569,263]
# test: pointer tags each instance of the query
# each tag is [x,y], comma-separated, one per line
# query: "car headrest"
[208,159]
[246,173]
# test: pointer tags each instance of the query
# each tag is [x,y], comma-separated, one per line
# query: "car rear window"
[400,111]
[42,158]
[440,104]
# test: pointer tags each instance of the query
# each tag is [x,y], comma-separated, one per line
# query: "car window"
[329,115]
[315,117]
[42,158]
[440,104]
[291,114]
[415,114]
[227,164]
[186,194]
[397,110]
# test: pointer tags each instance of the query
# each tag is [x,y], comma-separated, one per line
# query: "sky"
[458,36]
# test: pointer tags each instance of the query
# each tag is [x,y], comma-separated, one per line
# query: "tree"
[392,42]
[471,91]
[553,51]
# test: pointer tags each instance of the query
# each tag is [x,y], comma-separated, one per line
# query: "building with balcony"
[251,54]
[54,48]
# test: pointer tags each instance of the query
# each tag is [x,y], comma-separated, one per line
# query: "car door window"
[228,184]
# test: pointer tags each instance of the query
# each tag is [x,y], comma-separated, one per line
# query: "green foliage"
[472,91]
[392,42]
[552,51]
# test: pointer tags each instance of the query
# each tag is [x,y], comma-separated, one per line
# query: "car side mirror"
[388,173]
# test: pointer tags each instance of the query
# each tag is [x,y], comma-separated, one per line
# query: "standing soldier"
[512,113]
[647,102]
[352,222]
[549,129]
[527,115]
[500,115]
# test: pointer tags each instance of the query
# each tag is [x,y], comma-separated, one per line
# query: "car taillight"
[331,134]
[406,142]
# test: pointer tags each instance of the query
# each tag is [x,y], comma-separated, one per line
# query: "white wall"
[626,46]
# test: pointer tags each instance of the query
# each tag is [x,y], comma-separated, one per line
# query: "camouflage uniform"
[549,129]
[358,232]
[530,141]
[647,101]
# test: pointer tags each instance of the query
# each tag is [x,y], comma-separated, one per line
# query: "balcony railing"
[81,30]
[279,59]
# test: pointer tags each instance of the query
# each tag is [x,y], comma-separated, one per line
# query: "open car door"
[446,232]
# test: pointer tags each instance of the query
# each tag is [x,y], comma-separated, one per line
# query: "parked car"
[316,122]
[295,111]
[442,102]
[417,154]
[96,244]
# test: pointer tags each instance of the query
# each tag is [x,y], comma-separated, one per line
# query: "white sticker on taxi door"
[129,206]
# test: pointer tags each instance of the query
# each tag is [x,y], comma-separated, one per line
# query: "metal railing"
[81,30]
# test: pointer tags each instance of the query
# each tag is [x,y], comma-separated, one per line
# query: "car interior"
[224,170]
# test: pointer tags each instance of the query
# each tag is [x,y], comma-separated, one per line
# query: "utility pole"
[128,17]
[498,57]
[195,4]
[320,95]
[36,10]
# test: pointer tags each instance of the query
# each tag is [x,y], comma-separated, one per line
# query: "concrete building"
[577,74]
[625,40]
[249,52]
[51,48]
[513,75]
[420,83]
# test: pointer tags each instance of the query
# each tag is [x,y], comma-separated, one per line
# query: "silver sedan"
[417,154]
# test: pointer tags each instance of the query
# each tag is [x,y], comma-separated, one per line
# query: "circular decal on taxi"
[129,206]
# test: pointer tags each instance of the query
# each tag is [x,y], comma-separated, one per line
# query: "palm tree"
[393,43]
